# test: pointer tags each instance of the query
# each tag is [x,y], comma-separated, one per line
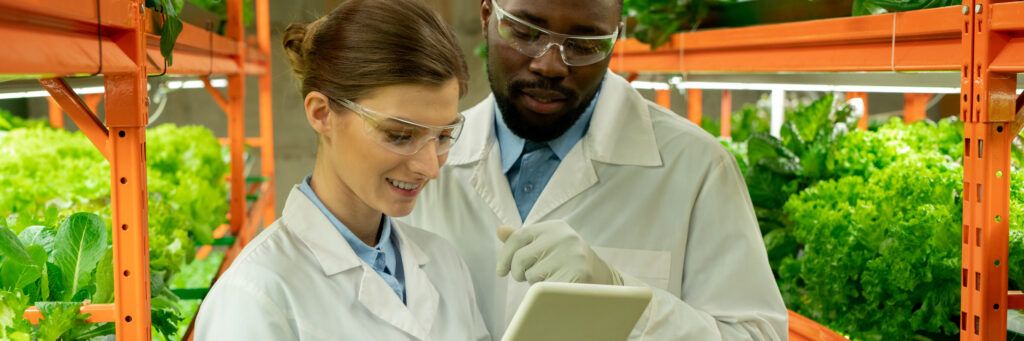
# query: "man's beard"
[537,132]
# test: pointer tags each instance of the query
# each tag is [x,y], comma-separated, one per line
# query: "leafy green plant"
[9,121]
[868,7]
[170,27]
[882,238]
[658,20]
[57,272]
[220,8]
[745,122]
[49,174]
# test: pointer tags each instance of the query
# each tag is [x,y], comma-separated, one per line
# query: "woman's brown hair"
[366,44]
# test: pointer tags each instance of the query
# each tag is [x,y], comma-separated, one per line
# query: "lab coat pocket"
[651,267]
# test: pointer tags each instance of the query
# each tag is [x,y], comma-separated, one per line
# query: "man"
[603,186]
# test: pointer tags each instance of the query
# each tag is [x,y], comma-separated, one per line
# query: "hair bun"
[295,46]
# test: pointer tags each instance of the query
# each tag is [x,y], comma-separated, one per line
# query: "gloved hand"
[551,251]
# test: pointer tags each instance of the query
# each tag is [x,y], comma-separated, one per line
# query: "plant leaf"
[16,276]
[79,245]
[11,247]
[58,318]
[105,279]
[38,235]
[169,31]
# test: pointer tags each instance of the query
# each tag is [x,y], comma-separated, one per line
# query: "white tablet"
[570,312]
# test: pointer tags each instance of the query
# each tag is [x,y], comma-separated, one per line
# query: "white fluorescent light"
[174,85]
[649,85]
[43,93]
[778,114]
[817,87]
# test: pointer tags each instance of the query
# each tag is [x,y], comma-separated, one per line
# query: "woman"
[381,80]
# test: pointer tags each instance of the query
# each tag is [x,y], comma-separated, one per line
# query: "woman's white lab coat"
[300,280]
[653,194]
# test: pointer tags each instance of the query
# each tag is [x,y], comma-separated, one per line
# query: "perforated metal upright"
[988,104]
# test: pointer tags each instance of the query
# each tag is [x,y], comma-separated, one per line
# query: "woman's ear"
[318,112]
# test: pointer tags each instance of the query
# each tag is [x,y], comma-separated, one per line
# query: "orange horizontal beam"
[36,51]
[97,313]
[1011,58]
[1008,16]
[802,328]
[872,28]
[924,40]
[1015,300]
[67,14]
[59,38]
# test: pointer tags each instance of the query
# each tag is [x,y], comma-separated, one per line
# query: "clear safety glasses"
[534,41]
[402,136]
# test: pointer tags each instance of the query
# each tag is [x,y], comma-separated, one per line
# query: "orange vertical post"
[726,112]
[236,117]
[55,113]
[664,98]
[862,124]
[127,116]
[266,112]
[988,112]
[915,107]
[694,105]
[93,101]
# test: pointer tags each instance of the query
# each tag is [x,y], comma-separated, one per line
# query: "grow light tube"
[173,85]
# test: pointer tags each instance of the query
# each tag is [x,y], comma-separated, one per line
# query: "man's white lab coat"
[655,196]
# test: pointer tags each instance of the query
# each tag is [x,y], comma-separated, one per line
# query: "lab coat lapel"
[422,296]
[478,149]
[382,302]
[334,256]
[620,133]
[418,317]
[574,175]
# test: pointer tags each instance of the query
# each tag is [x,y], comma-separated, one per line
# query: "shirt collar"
[511,145]
[368,254]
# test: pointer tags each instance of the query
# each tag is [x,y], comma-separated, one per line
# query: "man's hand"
[551,251]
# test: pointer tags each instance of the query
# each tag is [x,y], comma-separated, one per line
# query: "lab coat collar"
[327,245]
[620,132]
[334,255]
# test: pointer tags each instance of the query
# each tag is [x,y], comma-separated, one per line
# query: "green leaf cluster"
[868,7]
[57,268]
[52,253]
[881,238]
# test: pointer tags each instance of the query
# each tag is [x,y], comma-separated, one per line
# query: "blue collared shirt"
[384,258]
[529,165]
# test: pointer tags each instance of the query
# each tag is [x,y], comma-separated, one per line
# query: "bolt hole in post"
[121,133]
[124,181]
[128,318]
[124,227]
[126,273]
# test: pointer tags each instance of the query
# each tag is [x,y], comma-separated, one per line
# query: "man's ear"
[485,15]
[318,112]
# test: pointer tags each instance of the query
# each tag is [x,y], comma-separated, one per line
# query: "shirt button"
[528,188]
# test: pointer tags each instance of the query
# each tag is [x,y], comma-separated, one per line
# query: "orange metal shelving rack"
[983,40]
[115,39]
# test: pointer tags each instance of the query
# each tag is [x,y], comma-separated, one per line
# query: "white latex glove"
[551,251]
